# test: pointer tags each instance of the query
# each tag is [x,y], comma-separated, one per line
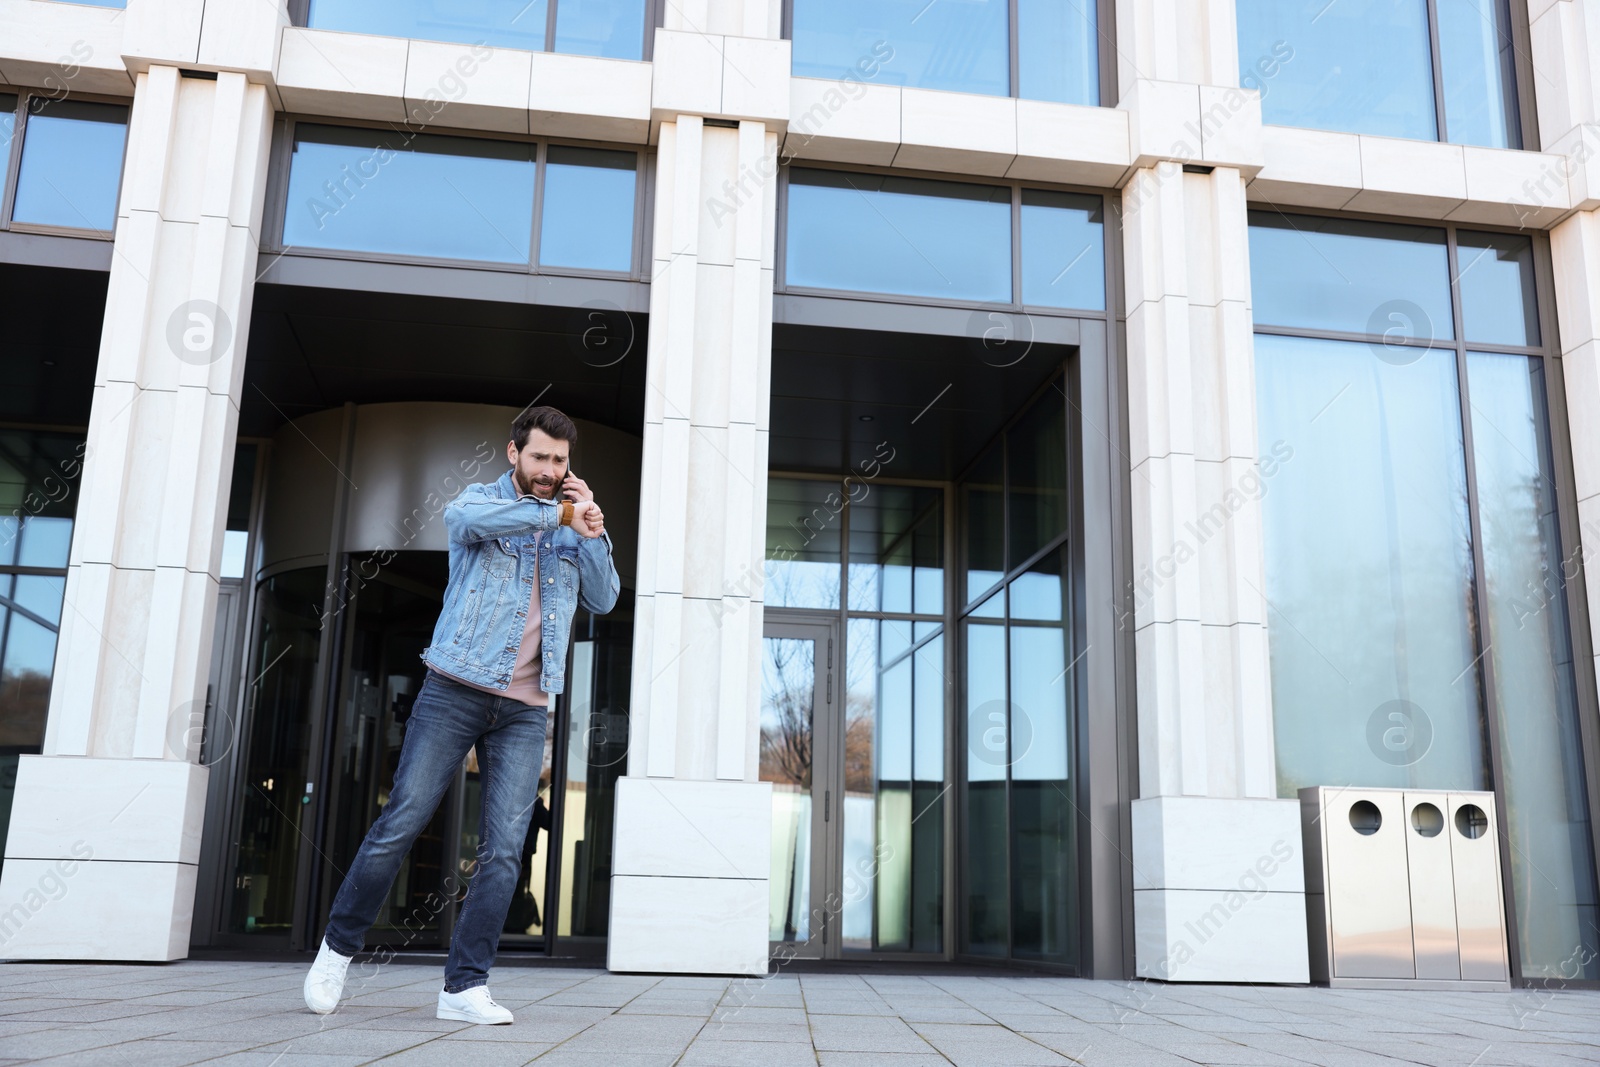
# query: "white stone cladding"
[137,627]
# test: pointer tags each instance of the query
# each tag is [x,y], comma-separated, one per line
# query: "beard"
[532,488]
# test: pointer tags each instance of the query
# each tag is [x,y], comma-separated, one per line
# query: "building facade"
[1039,438]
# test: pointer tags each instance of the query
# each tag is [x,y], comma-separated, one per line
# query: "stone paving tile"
[982,1046]
[144,1054]
[713,1053]
[483,1054]
[864,1033]
[881,1059]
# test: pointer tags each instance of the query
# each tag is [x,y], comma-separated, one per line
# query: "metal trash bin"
[1403,888]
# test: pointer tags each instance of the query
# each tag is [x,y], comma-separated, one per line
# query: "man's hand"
[576,488]
[587,520]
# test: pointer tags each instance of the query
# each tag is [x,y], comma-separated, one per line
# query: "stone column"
[105,831]
[693,821]
[1218,883]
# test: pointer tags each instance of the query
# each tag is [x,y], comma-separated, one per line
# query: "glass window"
[497,23]
[1350,276]
[912,236]
[1477,61]
[396,193]
[1360,66]
[1375,488]
[8,122]
[1498,305]
[1063,250]
[803,543]
[610,28]
[896,551]
[588,213]
[1546,803]
[236,534]
[986,719]
[788,686]
[959,45]
[1058,51]
[983,502]
[71,164]
[1036,493]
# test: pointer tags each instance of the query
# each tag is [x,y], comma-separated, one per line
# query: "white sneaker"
[473,1005]
[325,982]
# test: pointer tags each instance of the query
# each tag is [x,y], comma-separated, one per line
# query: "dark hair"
[544,418]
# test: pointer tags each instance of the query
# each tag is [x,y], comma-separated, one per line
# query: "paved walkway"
[251,1013]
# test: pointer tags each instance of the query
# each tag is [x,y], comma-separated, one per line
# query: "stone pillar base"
[1219,890]
[689,879]
[101,859]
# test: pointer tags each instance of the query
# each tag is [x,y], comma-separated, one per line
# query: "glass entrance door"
[798,698]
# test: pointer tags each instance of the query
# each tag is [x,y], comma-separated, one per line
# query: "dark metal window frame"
[1574,591]
[1105,51]
[13,162]
[277,202]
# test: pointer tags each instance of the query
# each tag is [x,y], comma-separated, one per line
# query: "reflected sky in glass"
[1058,51]
[588,209]
[498,23]
[956,45]
[1358,66]
[896,550]
[1063,250]
[610,28]
[71,164]
[1368,566]
[8,121]
[803,543]
[1350,276]
[910,236]
[1476,59]
[431,196]
[1498,304]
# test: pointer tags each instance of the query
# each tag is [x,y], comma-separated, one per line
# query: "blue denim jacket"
[491,535]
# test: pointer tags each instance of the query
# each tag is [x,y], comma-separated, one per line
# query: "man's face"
[540,466]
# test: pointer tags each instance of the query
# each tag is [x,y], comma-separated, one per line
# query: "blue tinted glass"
[71,164]
[102,3]
[882,234]
[1497,291]
[1063,250]
[588,209]
[1361,66]
[497,23]
[8,123]
[611,28]
[960,45]
[413,195]
[1475,57]
[1351,276]
[1058,51]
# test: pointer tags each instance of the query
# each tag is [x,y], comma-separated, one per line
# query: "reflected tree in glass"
[788,687]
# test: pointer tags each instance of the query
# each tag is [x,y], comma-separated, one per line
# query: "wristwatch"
[566,513]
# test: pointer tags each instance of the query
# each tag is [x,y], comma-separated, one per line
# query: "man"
[521,559]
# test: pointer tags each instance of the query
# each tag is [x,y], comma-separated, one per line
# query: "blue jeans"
[446,721]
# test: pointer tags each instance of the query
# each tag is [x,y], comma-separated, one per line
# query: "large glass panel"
[788,694]
[897,551]
[497,23]
[1058,51]
[803,543]
[893,807]
[397,193]
[1350,276]
[1063,250]
[272,815]
[912,236]
[588,213]
[1368,568]
[1036,498]
[8,122]
[984,868]
[1546,804]
[983,507]
[236,534]
[959,45]
[1360,66]
[1498,306]
[1043,845]
[610,28]
[597,755]
[1477,61]
[71,164]
[388,626]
